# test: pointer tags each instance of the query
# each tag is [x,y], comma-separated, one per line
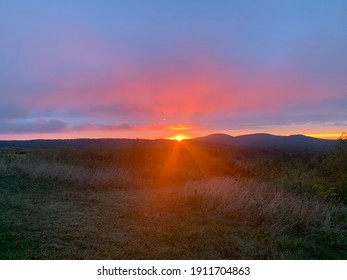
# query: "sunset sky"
[155,69]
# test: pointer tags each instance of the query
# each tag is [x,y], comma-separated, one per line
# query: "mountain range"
[263,140]
[259,140]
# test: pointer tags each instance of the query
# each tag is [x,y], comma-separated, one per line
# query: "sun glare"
[178,137]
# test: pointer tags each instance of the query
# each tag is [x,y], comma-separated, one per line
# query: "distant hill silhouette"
[259,140]
[263,140]
[70,143]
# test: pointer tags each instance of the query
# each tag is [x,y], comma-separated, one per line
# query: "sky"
[156,69]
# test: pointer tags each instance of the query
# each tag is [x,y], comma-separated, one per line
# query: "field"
[173,200]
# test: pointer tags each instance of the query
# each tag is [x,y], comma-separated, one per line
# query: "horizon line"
[184,137]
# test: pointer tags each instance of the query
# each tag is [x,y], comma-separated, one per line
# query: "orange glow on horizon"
[178,137]
[329,136]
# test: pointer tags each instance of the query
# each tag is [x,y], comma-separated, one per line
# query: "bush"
[334,167]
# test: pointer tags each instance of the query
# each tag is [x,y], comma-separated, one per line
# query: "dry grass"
[278,207]
[74,174]
[225,218]
[56,210]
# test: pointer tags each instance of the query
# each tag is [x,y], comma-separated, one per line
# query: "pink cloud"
[127,93]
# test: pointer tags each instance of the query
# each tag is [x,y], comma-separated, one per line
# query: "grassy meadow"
[173,200]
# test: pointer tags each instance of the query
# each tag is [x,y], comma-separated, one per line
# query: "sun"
[178,137]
